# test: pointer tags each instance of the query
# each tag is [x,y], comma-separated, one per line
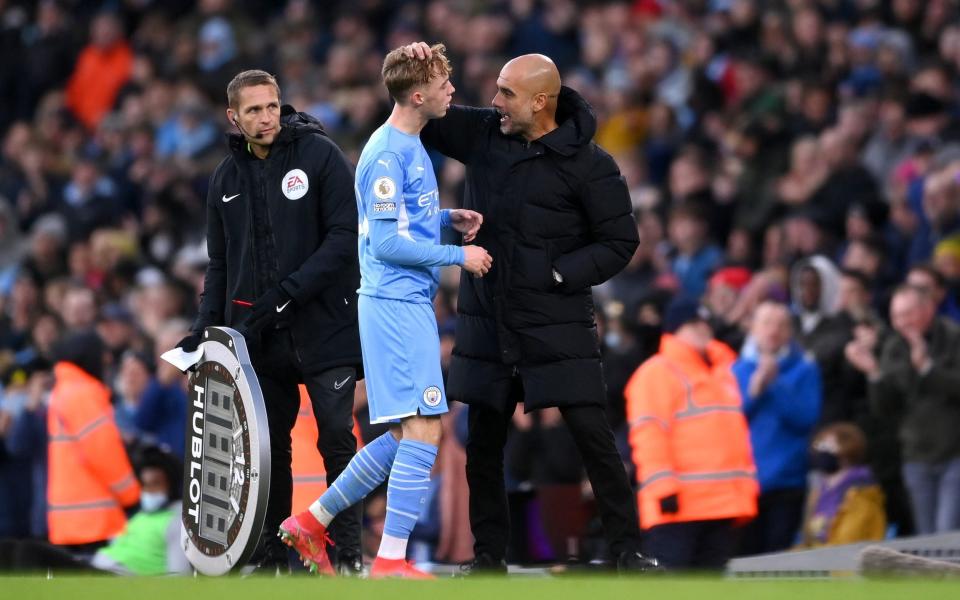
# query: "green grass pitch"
[558,588]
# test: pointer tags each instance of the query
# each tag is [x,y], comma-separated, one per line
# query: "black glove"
[670,505]
[273,307]
[191,342]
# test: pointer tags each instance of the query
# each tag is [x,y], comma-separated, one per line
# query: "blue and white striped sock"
[365,472]
[406,492]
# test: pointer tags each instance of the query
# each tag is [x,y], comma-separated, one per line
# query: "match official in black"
[282,240]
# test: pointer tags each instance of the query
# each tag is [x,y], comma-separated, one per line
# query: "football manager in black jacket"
[282,240]
[557,220]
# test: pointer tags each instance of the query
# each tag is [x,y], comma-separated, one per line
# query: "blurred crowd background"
[801,152]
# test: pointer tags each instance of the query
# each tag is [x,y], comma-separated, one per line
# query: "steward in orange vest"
[90,479]
[691,445]
[309,472]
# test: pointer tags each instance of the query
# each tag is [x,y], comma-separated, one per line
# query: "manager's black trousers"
[489,513]
[331,394]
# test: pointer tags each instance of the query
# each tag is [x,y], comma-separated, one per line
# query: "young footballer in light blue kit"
[400,259]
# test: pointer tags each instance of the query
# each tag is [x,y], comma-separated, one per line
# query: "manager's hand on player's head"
[419,50]
[476,260]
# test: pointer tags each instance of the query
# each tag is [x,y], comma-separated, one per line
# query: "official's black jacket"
[304,235]
[557,202]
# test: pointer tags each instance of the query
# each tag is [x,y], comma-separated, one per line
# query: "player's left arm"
[613,230]
[338,230]
[389,240]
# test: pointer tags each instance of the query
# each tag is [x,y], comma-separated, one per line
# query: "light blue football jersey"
[395,181]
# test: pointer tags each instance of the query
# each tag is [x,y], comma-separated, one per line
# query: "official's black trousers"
[489,513]
[331,394]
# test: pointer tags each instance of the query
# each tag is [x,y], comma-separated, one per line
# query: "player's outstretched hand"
[476,260]
[419,50]
[467,222]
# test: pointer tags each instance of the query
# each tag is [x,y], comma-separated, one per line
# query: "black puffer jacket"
[306,237]
[557,202]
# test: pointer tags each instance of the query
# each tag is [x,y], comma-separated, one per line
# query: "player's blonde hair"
[402,73]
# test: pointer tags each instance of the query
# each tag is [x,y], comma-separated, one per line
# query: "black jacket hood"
[577,124]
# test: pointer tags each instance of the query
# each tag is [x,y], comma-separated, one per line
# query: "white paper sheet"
[183,360]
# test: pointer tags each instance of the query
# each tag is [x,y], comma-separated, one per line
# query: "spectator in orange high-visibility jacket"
[691,445]
[90,480]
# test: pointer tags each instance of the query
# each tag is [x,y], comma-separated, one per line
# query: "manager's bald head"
[527,91]
[535,72]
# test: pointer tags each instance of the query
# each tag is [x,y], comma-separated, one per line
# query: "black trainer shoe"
[483,564]
[350,566]
[635,563]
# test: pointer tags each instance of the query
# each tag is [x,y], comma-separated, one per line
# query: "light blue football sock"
[408,485]
[368,469]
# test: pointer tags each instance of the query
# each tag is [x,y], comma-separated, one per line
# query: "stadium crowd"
[797,161]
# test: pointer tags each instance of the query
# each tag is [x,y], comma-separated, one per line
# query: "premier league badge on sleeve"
[227,460]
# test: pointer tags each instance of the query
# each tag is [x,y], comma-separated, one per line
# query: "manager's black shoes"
[348,565]
[484,565]
[629,563]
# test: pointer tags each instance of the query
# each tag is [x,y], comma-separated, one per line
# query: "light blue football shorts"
[401,359]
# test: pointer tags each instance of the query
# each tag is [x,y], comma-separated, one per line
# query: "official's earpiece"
[237,123]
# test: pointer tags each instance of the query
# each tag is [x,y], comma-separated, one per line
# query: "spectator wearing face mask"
[150,544]
[847,504]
